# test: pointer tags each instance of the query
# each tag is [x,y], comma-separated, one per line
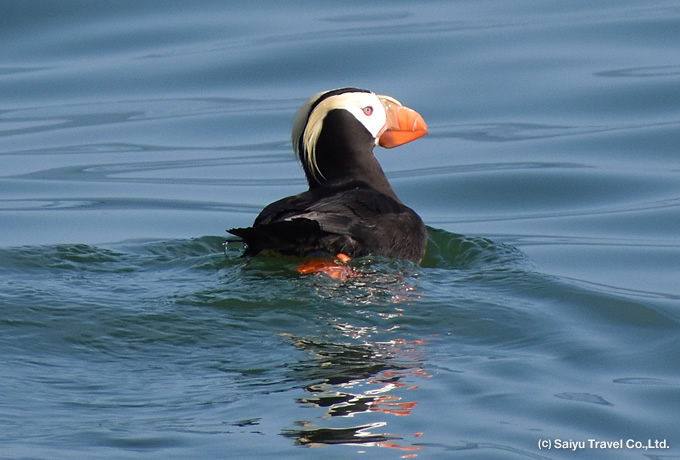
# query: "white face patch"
[366,108]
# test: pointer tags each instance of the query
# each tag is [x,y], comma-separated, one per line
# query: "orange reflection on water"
[353,380]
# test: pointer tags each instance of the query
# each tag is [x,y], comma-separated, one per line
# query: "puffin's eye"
[368,110]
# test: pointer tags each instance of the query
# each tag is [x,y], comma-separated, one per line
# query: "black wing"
[357,222]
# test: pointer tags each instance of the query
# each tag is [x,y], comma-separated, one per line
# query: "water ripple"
[114,203]
[33,120]
[514,131]
[642,72]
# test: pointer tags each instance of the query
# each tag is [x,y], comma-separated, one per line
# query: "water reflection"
[372,380]
[372,281]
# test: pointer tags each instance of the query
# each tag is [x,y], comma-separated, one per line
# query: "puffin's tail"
[297,236]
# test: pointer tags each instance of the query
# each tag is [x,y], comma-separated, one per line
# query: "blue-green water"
[132,134]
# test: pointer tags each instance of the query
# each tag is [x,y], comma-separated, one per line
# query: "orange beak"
[403,124]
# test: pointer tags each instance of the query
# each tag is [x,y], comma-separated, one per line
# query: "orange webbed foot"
[335,268]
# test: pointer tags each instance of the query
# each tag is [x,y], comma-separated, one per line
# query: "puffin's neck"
[344,153]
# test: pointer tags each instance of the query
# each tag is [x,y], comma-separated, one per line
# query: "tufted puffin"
[350,208]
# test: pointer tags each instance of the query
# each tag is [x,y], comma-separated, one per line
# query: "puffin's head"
[334,132]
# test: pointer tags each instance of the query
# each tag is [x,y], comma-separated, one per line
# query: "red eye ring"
[368,110]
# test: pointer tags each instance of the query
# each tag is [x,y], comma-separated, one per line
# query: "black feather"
[354,219]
